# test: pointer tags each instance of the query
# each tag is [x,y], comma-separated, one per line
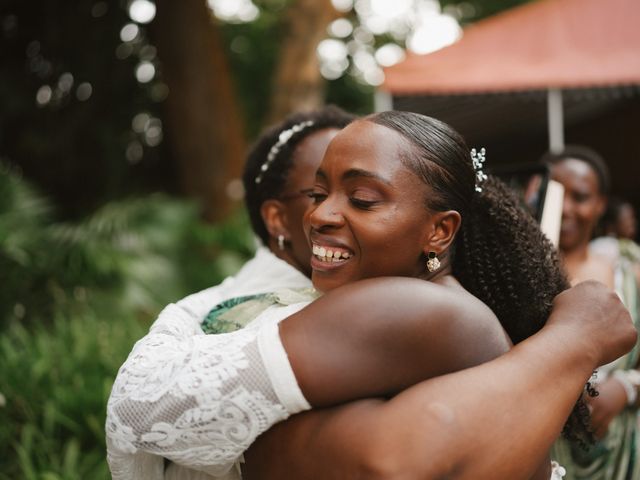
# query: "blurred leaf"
[81,295]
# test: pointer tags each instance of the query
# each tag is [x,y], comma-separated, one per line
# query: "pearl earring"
[433,263]
[281,242]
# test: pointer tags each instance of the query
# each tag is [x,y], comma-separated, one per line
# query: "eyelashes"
[363,204]
[318,197]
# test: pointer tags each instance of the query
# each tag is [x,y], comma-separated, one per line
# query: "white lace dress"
[200,400]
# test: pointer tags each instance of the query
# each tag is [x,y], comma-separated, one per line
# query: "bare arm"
[380,336]
[496,420]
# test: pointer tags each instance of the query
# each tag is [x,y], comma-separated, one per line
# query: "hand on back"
[600,320]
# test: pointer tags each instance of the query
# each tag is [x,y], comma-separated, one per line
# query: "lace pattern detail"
[199,401]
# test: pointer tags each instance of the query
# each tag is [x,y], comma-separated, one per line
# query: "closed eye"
[363,204]
[316,197]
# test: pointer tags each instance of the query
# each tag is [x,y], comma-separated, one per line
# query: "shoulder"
[457,321]
[420,299]
[414,293]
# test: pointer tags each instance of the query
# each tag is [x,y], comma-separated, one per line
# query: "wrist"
[630,381]
[572,339]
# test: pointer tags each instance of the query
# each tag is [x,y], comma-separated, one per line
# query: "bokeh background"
[123,129]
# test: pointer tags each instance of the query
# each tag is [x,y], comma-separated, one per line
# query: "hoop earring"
[281,242]
[433,263]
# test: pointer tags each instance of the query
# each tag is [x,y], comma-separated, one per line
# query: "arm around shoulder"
[379,336]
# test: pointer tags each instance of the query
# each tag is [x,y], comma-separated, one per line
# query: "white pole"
[555,120]
[382,101]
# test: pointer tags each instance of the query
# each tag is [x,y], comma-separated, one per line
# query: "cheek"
[392,242]
[306,223]
[588,212]
[297,214]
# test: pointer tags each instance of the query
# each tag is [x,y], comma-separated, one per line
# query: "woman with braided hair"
[395,196]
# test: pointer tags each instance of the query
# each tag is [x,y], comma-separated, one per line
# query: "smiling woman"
[585,178]
[373,211]
[395,192]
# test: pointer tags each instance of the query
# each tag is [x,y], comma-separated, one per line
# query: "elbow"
[379,466]
[386,453]
[401,461]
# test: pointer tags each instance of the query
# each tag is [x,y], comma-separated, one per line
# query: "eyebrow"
[355,173]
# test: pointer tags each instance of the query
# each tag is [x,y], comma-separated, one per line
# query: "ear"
[275,218]
[445,225]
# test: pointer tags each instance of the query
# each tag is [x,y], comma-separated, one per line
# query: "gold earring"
[433,263]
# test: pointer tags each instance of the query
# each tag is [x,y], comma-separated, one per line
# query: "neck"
[574,259]
[575,255]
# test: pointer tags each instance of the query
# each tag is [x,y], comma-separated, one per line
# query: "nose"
[326,215]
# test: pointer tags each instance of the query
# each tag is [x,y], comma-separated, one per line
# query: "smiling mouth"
[330,254]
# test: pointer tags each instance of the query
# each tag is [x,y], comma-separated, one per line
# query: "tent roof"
[544,44]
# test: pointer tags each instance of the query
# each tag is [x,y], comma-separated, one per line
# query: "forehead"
[311,149]
[573,171]
[308,154]
[367,145]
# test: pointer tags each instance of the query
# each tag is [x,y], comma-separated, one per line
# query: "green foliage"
[56,379]
[77,297]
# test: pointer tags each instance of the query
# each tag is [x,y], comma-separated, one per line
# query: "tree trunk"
[203,120]
[298,84]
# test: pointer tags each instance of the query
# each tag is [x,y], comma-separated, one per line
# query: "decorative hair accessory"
[433,263]
[283,138]
[478,159]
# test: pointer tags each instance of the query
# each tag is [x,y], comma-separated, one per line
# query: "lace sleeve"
[201,400]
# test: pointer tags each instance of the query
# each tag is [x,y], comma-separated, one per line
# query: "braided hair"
[499,255]
[273,181]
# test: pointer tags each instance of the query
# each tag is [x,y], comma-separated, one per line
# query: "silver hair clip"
[283,138]
[478,159]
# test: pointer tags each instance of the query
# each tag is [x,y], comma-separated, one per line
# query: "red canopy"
[549,43]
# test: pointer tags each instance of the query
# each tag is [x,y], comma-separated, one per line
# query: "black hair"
[500,254]
[272,181]
[614,208]
[588,156]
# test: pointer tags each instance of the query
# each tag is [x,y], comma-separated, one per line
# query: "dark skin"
[583,205]
[481,422]
[393,346]
[366,205]
[372,210]
[283,215]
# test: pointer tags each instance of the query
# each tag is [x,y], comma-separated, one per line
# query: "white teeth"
[327,255]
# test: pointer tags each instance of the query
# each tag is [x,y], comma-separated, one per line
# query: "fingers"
[599,318]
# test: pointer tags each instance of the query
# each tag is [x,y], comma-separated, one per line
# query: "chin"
[324,283]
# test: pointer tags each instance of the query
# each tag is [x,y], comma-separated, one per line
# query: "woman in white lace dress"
[395,194]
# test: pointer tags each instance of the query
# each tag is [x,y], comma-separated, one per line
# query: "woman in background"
[585,178]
